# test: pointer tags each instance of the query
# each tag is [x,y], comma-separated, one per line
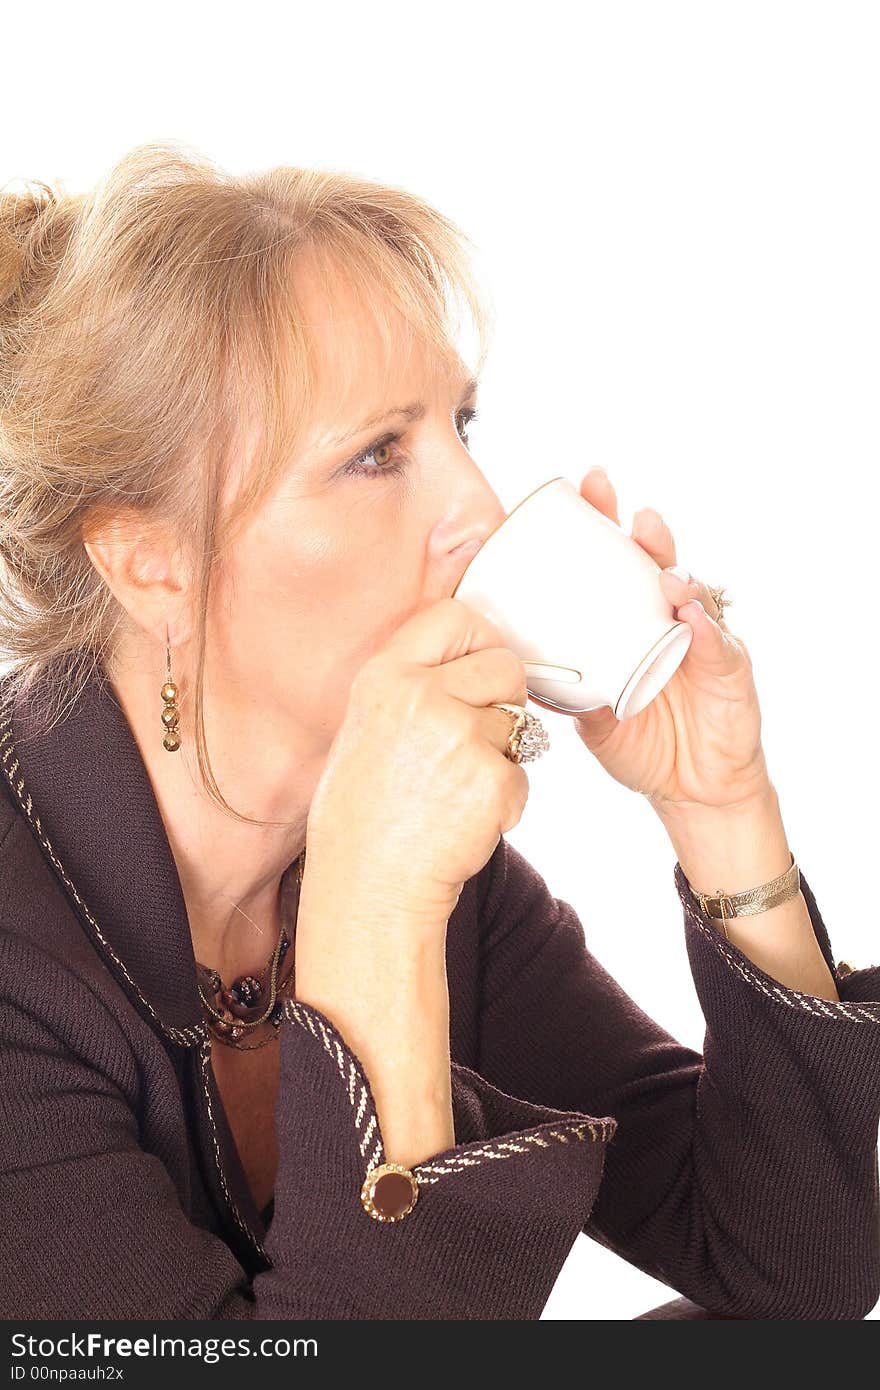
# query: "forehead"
[366,354]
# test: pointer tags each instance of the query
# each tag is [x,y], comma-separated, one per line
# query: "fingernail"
[679,573]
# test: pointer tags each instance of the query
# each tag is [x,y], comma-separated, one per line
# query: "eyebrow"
[415,411]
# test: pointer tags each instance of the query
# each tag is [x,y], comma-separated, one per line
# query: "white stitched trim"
[819,1008]
[361,1108]
[366,1122]
[506,1148]
[369,1132]
[186,1036]
[205,1053]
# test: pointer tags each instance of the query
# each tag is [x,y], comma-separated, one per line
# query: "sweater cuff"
[813,1062]
[859,990]
[494,1216]
[785,1136]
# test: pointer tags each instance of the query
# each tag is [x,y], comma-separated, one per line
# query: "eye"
[382,452]
[468,416]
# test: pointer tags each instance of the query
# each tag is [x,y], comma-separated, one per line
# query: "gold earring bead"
[170,714]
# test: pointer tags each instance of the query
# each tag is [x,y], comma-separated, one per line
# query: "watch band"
[753,900]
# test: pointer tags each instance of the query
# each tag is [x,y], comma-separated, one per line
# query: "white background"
[677,214]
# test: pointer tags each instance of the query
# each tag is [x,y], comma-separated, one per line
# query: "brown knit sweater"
[745,1178]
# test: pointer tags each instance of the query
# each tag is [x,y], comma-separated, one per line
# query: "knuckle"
[522,797]
[485,632]
[461,726]
[492,776]
[372,672]
[515,671]
[516,797]
[416,692]
[520,783]
[373,686]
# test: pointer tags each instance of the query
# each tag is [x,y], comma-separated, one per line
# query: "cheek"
[328,557]
[297,587]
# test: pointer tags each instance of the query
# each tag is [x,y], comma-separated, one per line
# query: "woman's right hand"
[417,788]
[412,801]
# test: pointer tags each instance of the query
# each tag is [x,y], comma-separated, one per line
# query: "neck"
[231,873]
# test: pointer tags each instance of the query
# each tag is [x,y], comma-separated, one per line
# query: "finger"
[597,488]
[594,726]
[652,534]
[441,632]
[481,678]
[679,585]
[711,645]
[597,725]
[496,727]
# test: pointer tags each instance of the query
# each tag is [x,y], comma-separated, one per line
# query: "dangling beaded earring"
[170,714]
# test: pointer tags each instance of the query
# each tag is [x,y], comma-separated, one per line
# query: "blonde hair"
[144,327]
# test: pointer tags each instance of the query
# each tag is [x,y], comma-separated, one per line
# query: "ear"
[144,570]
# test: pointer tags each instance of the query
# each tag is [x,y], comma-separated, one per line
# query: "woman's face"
[347,548]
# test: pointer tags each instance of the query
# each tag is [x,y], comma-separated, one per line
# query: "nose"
[460,535]
[455,558]
[467,550]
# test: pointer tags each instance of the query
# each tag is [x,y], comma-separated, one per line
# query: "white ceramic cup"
[579,602]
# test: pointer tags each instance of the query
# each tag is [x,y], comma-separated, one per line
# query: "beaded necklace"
[236,1014]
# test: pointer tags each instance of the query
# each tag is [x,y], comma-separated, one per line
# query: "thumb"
[594,726]
[711,646]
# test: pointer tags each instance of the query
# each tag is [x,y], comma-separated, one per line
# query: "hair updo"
[146,328]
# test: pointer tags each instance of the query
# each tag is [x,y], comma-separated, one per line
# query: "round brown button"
[389,1192]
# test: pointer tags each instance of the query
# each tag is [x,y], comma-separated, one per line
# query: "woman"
[237,496]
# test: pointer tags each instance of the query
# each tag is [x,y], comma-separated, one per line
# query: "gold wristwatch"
[721,905]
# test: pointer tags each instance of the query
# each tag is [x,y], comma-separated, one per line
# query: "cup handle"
[546,670]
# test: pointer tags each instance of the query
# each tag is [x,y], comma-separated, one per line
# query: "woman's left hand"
[698,743]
